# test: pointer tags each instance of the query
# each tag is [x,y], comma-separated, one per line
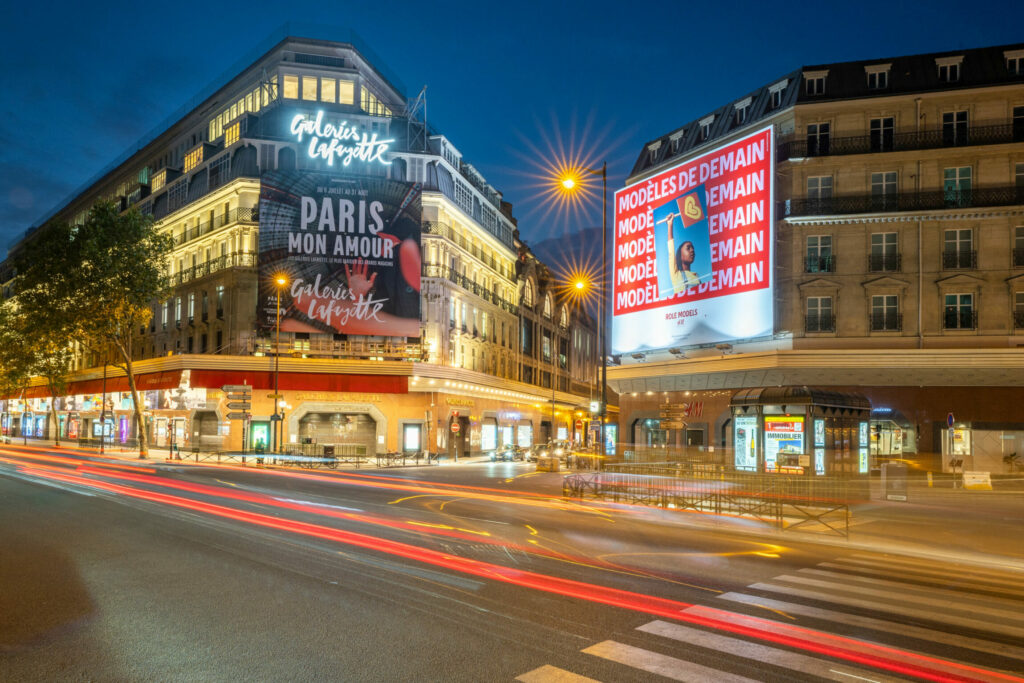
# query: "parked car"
[506,453]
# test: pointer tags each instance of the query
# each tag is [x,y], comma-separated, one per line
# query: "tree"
[16,360]
[95,283]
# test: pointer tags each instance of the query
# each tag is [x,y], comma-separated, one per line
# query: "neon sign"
[342,141]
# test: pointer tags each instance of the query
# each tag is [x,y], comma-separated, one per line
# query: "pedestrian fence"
[329,460]
[787,501]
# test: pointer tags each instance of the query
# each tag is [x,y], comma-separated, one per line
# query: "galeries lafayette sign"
[342,140]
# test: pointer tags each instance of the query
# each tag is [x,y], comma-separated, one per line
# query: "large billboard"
[693,250]
[349,249]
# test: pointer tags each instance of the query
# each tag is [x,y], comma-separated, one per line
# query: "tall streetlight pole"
[280,281]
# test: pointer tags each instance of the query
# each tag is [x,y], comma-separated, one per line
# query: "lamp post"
[569,183]
[276,437]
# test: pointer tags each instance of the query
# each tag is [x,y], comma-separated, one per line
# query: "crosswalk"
[946,623]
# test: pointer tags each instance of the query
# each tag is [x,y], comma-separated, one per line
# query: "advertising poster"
[783,436]
[693,250]
[349,248]
[862,454]
[819,446]
[745,443]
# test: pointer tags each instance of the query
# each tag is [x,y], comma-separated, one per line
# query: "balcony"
[911,201]
[457,278]
[240,215]
[885,322]
[952,260]
[989,133]
[820,264]
[820,323]
[445,230]
[884,263]
[960,319]
[235,260]
[342,350]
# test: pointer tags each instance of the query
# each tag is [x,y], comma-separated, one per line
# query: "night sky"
[511,85]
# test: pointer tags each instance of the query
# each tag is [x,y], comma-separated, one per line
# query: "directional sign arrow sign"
[236,387]
[239,405]
[237,416]
[239,397]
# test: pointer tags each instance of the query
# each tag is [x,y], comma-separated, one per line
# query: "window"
[546,346]
[372,105]
[817,139]
[220,169]
[346,92]
[528,293]
[1019,176]
[291,87]
[193,158]
[191,307]
[231,134]
[742,111]
[954,128]
[166,315]
[676,141]
[883,191]
[463,319]
[1014,62]
[878,80]
[177,195]
[1018,310]
[819,315]
[884,255]
[159,180]
[949,70]
[547,306]
[815,85]
[327,90]
[958,251]
[882,130]
[885,314]
[220,301]
[1018,124]
[819,187]
[451,314]
[959,313]
[775,94]
[177,311]
[705,127]
[526,342]
[956,186]
[563,319]
[819,254]
[309,88]
[1018,246]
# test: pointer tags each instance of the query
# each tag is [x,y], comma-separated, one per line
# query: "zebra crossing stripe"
[662,665]
[1009,587]
[1011,575]
[762,653]
[552,674]
[891,607]
[909,630]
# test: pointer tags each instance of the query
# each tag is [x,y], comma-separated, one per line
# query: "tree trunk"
[140,422]
[53,412]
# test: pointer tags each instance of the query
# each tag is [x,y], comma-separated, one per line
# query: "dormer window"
[1015,62]
[676,141]
[705,127]
[193,158]
[814,82]
[652,151]
[949,68]
[775,93]
[742,110]
[878,76]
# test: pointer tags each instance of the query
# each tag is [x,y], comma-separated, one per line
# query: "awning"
[302,381]
[150,381]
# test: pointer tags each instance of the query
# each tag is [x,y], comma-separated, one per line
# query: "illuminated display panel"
[693,250]
[783,436]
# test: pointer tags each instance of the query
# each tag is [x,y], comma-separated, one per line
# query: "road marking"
[918,632]
[663,665]
[552,674]
[1002,578]
[762,653]
[941,616]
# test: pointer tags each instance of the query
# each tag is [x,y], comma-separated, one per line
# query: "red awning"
[149,381]
[302,381]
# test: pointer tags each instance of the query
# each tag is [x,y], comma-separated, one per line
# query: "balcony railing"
[885,322]
[445,230]
[959,259]
[820,323]
[884,263]
[911,201]
[1018,320]
[328,348]
[820,264]
[960,319]
[989,133]
[464,282]
[235,260]
[240,215]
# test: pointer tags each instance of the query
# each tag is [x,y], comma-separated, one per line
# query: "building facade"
[448,377]
[896,266]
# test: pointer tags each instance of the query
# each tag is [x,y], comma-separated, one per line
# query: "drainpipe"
[920,257]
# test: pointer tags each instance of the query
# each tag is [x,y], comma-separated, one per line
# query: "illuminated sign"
[693,250]
[342,141]
[745,443]
[783,436]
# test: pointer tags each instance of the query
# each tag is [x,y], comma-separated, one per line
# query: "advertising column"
[693,251]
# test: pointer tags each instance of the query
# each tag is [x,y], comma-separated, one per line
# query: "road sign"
[949,420]
[456,427]
[239,405]
[275,395]
[579,425]
[666,424]
[240,388]
[595,406]
[237,416]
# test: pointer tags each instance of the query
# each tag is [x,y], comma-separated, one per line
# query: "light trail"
[789,635]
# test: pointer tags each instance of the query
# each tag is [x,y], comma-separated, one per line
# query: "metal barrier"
[784,500]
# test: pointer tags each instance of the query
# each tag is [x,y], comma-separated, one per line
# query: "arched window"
[547,306]
[528,293]
[563,318]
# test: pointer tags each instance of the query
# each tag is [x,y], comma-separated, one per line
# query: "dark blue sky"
[82,82]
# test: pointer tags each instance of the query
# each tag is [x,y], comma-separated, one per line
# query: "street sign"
[237,416]
[275,395]
[579,425]
[456,427]
[239,405]
[276,417]
[240,388]
[595,406]
[949,420]
[666,424]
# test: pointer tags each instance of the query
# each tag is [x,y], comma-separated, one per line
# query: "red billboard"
[693,250]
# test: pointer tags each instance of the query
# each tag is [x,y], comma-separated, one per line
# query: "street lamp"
[280,281]
[570,182]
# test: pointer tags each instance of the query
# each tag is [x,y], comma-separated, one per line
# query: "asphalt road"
[125,571]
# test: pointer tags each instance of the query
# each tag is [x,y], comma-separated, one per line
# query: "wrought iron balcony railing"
[959,259]
[458,278]
[911,201]
[960,319]
[884,263]
[820,323]
[989,133]
[240,215]
[885,322]
[1018,320]
[235,260]
[820,264]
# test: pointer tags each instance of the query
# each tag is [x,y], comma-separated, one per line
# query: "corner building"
[895,272]
[437,369]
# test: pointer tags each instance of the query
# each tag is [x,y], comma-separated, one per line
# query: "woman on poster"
[680,261]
